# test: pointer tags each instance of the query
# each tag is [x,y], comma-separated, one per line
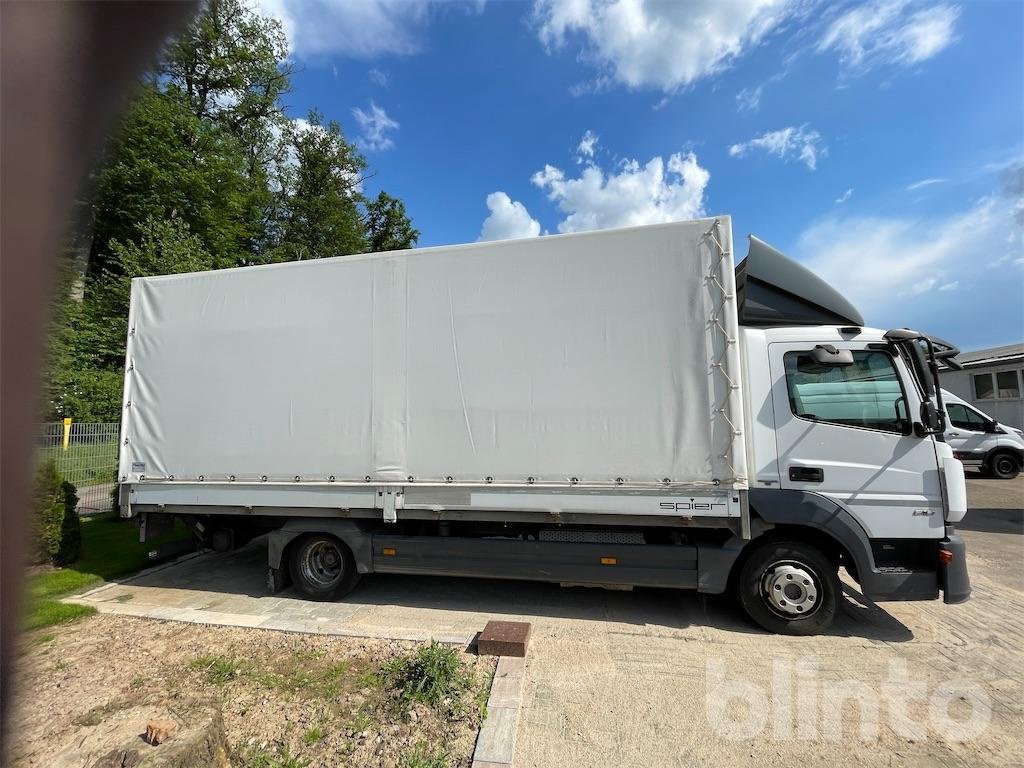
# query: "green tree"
[167,163]
[388,227]
[322,217]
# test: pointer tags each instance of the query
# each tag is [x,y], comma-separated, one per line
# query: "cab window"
[965,418]
[867,394]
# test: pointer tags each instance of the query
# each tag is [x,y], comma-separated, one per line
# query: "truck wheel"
[789,588]
[1004,466]
[322,567]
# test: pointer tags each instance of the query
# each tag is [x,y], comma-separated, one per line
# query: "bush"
[48,512]
[56,529]
[434,675]
[70,527]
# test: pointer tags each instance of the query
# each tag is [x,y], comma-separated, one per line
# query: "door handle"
[807,474]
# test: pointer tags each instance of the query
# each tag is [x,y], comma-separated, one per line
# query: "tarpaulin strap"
[713,278]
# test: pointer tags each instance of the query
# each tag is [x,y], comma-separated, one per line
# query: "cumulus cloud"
[629,195]
[787,143]
[375,127]
[361,29]
[508,219]
[585,149]
[663,46]
[895,32]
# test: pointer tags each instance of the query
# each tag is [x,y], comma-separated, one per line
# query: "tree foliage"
[206,171]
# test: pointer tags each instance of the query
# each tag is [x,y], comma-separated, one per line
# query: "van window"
[867,394]
[965,418]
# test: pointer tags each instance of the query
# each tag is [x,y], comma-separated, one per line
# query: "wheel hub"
[322,564]
[790,589]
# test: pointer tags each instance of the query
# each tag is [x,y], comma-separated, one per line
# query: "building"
[992,382]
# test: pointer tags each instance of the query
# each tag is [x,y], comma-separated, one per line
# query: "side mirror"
[992,427]
[931,418]
[830,357]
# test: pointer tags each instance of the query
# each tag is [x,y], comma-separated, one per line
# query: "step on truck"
[620,407]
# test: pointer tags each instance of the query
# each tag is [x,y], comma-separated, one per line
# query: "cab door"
[846,432]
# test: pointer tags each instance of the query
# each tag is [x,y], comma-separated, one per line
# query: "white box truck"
[616,407]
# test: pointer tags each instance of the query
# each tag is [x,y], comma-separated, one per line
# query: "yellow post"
[67,433]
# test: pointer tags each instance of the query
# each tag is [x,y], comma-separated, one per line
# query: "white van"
[980,441]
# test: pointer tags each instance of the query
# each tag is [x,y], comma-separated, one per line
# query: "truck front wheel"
[790,588]
[322,567]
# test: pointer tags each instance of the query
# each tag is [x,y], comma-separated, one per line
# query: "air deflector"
[775,290]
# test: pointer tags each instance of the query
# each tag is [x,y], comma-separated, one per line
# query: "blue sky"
[880,143]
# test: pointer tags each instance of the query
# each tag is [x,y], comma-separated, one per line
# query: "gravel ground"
[316,699]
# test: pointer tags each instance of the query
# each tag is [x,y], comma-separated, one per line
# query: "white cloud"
[749,99]
[631,195]
[894,32]
[361,29]
[508,220]
[924,183]
[845,196]
[375,126]
[665,45]
[883,262]
[586,147]
[378,77]
[786,143]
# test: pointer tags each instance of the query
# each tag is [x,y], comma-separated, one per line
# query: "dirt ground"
[287,699]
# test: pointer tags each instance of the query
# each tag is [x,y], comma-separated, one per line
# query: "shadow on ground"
[241,573]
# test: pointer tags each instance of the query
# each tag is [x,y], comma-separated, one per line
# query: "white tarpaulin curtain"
[583,356]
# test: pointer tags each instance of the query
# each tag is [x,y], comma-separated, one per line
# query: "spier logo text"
[691,506]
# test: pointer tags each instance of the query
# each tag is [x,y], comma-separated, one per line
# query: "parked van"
[981,442]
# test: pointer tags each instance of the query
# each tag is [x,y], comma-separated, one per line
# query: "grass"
[110,548]
[421,757]
[283,758]
[313,735]
[434,675]
[309,676]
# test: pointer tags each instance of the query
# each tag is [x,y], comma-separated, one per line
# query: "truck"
[615,408]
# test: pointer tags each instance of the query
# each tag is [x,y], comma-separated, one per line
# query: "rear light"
[959,455]
[945,556]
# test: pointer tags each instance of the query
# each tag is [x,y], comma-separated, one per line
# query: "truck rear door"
[846,432]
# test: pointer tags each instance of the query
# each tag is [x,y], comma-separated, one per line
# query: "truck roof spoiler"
[772,289]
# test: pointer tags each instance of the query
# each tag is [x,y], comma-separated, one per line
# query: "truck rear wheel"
[790,588]
[322,567]
[1003,465]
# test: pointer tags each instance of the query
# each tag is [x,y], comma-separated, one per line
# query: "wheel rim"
[322,564]
[1005,465]
[791,589]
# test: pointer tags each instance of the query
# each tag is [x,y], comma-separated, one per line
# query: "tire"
[1003,465]
[322,567]
[789,588]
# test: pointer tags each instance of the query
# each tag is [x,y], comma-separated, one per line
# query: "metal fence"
[86,455]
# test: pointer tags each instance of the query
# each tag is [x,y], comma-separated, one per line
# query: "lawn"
[110,548]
